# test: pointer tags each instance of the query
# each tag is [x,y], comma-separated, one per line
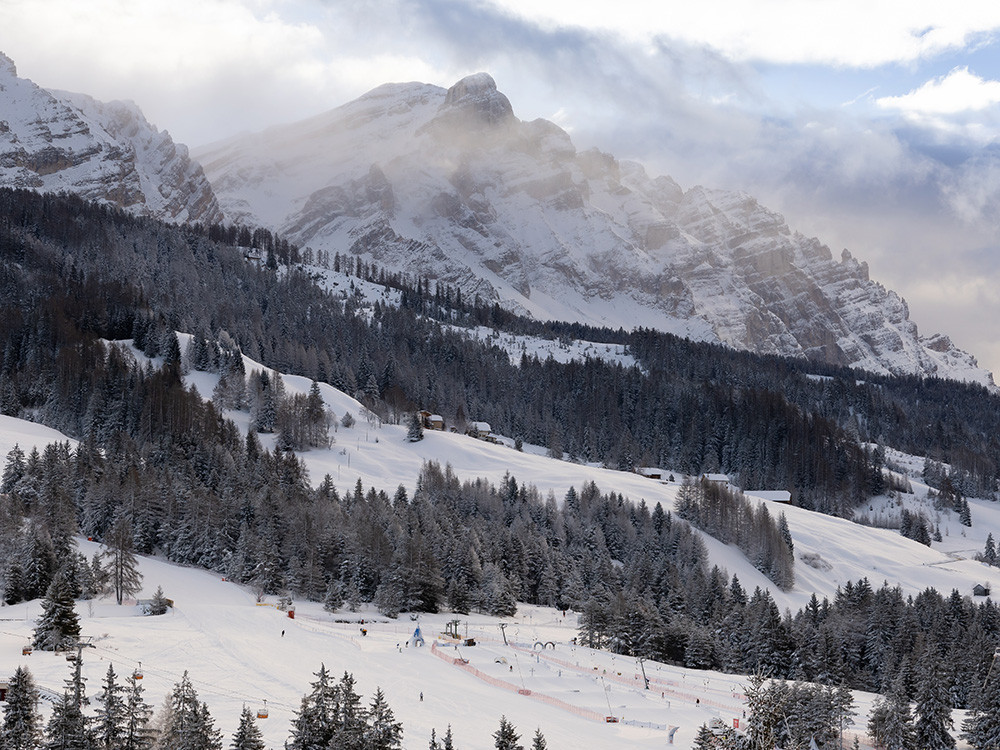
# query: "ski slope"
[236,655]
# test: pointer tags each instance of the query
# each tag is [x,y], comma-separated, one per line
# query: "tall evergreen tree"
[59,626]
[383,731]
[981,729]
[248,735]
[312,728]
[933,709]
[69,728]
[21,728]
[137,734]
[187,724]
[506,737]
[112,714]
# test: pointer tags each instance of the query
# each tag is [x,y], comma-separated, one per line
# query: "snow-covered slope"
[450,184]
[235,655]
[829,551]
[57,141]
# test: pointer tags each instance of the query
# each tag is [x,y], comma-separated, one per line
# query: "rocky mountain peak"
[451,185]
[55,141]
[477,97]
[7,66]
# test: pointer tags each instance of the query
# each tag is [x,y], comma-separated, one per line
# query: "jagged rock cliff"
[56,141]
[449,184]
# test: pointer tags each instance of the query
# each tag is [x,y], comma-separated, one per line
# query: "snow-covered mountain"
[451,185]
[57,141]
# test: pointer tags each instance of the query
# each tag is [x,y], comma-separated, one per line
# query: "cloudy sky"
[872,125]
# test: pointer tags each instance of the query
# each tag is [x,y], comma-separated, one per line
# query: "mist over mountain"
[450,185]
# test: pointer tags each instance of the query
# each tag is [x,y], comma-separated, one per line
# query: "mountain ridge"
[451,182]
[55,141]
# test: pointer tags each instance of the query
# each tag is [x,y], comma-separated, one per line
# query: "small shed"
[650,472]
[434,422]
[716,478]
[981,589]
[773,496]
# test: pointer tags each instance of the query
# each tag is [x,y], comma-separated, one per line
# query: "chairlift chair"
[26,651]
[262,711]
[137,674]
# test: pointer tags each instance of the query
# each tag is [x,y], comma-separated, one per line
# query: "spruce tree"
[890,723]
[383,731]
[187,724]
[415,432]
[704,739]
[506,737]
[137,733]
[158,605]
[981,729]
[248,736]
[313,725]
[59,626]
[933,709]
[349,722]
[109,729]
[538,741]
[21,728]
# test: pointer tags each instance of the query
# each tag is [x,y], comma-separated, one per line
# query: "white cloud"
[959,104]
[958,91]
[853,33]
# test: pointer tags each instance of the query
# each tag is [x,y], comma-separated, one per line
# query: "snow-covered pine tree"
[138,735]
[21,728]
[981,729]
[187,724]
[383,731]
[68,727]
[890,723]
[447,743]
[313,724]
[506,737]
[350,717]
[538,740]
[933,711]
[415,431]
[109,727]
[248,735]
[990,551]
[158,605]
[704,739]
[59,626]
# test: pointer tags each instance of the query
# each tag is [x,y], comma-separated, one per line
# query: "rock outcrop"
[57,141]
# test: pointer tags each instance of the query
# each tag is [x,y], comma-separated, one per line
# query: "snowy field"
[235,654]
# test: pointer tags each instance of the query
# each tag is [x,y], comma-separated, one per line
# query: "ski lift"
[26,651]
[262,711]
[137,674]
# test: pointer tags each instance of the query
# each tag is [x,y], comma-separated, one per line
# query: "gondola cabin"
[137,674]
[262,711]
